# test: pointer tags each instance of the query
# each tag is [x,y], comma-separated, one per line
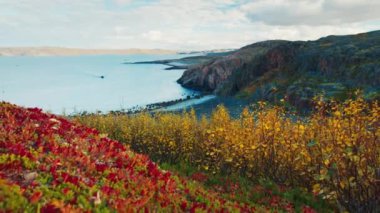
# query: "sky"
[179,24]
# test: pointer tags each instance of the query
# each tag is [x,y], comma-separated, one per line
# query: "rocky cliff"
[334,65]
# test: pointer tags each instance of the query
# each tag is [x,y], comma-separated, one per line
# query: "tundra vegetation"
[268,159]
[333,153]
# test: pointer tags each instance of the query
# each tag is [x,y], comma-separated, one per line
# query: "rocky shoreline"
[154,107]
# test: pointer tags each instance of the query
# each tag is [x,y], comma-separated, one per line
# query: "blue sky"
[179,24]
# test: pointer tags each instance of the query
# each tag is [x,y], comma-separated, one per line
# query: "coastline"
[185,62]
[177,104]
[203,104]
[182,105]
[164,106]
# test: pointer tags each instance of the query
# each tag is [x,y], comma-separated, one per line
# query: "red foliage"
[200,177]
[307,209]
[73,159]
[36,196]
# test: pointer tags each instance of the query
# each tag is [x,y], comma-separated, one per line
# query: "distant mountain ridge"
[297,70]
[61,51]
[204,52]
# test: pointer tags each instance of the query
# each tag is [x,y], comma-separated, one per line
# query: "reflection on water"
[78,83]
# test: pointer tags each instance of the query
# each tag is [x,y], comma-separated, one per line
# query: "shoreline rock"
[146,108]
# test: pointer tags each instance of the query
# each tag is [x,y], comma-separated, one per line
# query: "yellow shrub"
[334,152]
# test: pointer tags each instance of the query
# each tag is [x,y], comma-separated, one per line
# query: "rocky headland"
[186,62]
[294,70]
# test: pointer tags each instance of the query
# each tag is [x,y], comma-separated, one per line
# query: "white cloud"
[122,2]
[178,24]
[153,35]
[312,12]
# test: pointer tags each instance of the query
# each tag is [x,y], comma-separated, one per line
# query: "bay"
[68,84]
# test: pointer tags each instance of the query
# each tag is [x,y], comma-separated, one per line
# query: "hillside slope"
[49,164]
[297,70]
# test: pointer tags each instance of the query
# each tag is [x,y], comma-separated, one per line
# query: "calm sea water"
[73,84]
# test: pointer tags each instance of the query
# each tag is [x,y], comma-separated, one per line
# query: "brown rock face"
[273,69]
[228,74]
[207,77]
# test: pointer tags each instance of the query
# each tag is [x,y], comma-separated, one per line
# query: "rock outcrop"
[213,75]
[297,70]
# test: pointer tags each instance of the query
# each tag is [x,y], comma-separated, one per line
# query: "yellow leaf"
[302,127]
[342,185]
[326,162]
[316,187]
